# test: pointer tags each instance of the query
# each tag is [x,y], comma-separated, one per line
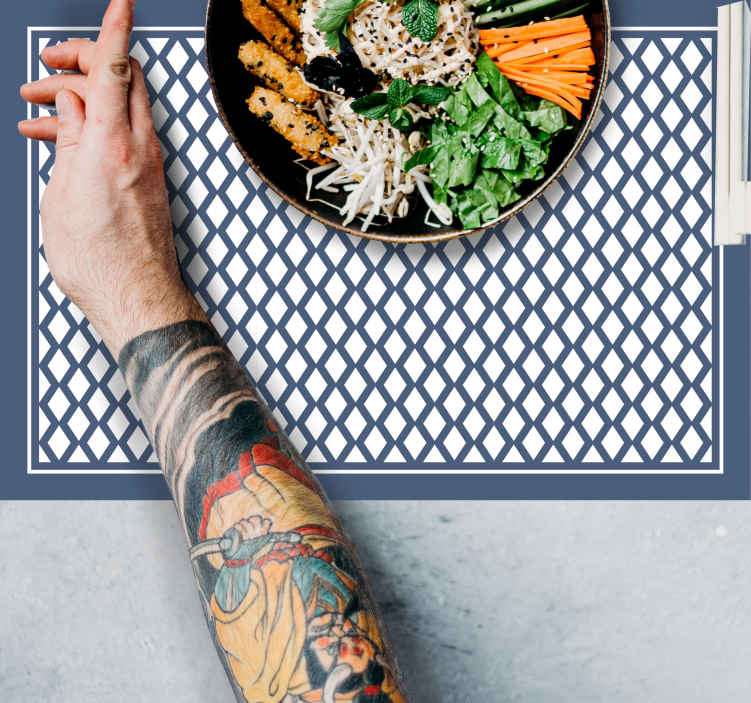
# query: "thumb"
[71,114]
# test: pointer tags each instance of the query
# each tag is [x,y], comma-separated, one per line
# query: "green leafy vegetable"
[332,18]
[424,156]
[477,94]
[399,93]
[509,126]
[490,77]
[490,141]
[400,119]
[375,106]
[548,117]
[430,94]
[479,119]
[463,158]
[498,151]
[524,172]
[393,103]
[488,74]
[534,153]
[420,18]
[458,107]
[439,169]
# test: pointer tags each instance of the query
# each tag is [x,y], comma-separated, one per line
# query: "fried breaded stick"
[303,131]
[276,72]
[289,11]
[276,33]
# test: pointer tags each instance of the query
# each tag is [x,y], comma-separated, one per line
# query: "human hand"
[105,213]
[252,527]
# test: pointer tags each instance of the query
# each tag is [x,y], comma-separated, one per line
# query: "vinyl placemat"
[579,349]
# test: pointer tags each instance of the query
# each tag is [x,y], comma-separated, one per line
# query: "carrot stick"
[573,77]
[538,30]
[575,110]
[579,91]
[497,50]
[566,91]
[561,53]
[523,77]
[535,50]
[548,59]
[584,57]
[537,67]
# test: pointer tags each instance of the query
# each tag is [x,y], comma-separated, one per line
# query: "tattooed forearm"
[286,603]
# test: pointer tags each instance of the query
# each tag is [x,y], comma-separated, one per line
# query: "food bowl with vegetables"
[410,120]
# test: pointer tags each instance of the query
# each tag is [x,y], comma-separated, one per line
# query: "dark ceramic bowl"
[273,160]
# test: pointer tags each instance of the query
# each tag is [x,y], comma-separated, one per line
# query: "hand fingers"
[72,55]
[111,71]
[71,114]
[45,90]
[42,128]
[141,121]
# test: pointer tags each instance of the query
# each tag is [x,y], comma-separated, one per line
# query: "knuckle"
[65,141]
[120,68]
[121,152]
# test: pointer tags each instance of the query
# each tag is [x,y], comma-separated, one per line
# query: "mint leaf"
[420,18]
[400,119]
[374,106]
[430,94]
[399,93]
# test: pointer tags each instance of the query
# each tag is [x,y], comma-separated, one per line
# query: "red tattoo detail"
[323,556]
[318,531]
[271,442]
[263,454]
[284,551]
[229,484]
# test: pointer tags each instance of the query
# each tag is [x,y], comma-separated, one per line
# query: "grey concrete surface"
[486,602]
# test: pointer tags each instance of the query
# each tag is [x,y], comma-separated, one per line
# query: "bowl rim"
[412,238]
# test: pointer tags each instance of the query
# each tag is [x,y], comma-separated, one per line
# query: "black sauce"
[342,74]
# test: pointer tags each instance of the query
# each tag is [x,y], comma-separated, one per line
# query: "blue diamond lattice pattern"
[579,333]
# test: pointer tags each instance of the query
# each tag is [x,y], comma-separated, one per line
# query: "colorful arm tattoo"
[286,602]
